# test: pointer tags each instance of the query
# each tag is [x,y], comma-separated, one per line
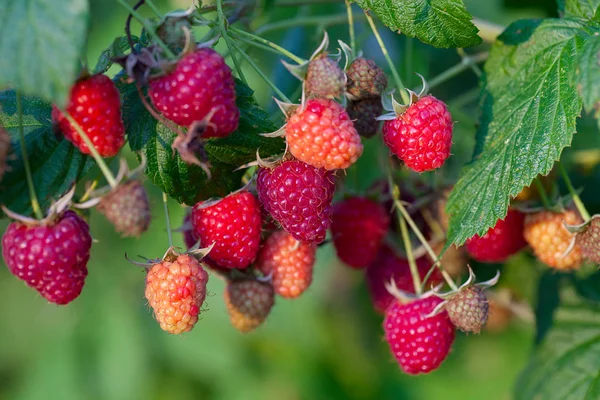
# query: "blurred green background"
[326,345]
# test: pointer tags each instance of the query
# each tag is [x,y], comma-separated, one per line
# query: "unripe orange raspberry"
[176,291]
[546,234]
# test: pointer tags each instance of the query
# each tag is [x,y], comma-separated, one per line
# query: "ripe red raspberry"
[468,309]
[365,80]
[421,136]
[546,234]
[248,303]
[324,78]
[289,262]
[388,266]
[95,104]
[358,228]
[321,134]
[501,241]
[298,196]
[127,208]
[588,240]
[176,290]
[233,225]
[418,343]
[364,114]
[200,83]
[4,147]
[51,258]
[189,236]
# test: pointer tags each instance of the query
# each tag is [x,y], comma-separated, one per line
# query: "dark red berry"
[501,241]
[422,135]
[200,84]
[419,343]
[358,228]
[298,196]
[233,225]
[365,79]
[95,104]
[51,257]
[364,113]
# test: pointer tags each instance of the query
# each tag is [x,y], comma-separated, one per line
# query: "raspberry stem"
[223,29]
[149,28]
[399,85]
[35,205]
[167,219]
[101,164]
[411,257]
[261,73]
[576,199]
[351,27]
[466,63]
[543,195]
[154,8]
[321,21]
[254,38]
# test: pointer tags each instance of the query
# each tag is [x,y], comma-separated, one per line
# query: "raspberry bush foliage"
[380,161]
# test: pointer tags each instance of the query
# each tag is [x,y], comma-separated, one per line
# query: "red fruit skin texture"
[200,83]
[388,266]
[288,262]
[50,258]
[419,344]
[321,134]
[422,136]
[358,228]
[176,290]
[234,225]
[95,104]
[501,241]
[298,196]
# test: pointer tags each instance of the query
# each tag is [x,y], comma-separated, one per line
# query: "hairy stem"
[543,195]
[223,29]
[274,46]
[351,26]
[99,160]
[576,199]
[414,271]
[35,205]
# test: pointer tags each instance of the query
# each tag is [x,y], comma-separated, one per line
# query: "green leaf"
[55,163]
[565,366]
[41,42]
[579,8]
[187,183]
[440,23]
[588,74]
[118,48]
[529,108]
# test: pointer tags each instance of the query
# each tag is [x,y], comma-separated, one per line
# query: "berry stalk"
[254,38]
[397,79]
[32,195]
[223,29]
[466,63]
[543,195]
[261,73]
[167,219]
[414,272]
[351,27]
[321,21]
[576,199]
[99,160]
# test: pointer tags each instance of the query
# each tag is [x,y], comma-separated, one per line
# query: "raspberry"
[52,257]
[4,147]
[418,343]
[364,113]
[189,236]
[321,134]
[249,303]
[127,208]
[289,262]
[589,241]
[176,290]
[201,83]
[501,241]
[365,79]
[388,266]
[422,136]
[468,309]
[233,225]
[298,196]
[546,234]
[358,228]
[324,78]
[95,104]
